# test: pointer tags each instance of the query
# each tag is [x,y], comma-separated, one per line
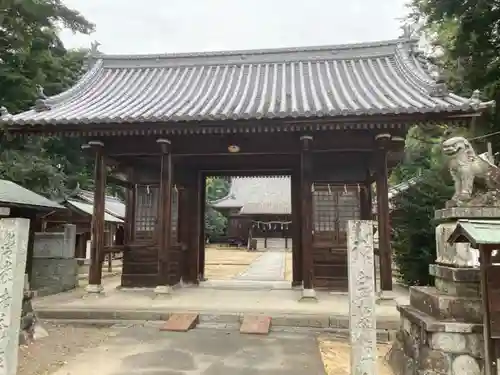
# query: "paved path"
[270,266]
[147,351]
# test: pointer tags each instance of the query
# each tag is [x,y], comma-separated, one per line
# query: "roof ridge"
[256,51]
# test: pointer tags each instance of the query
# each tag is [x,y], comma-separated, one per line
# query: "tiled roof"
[259,195]
[357,79]
[12,194]
[113,206]
[89,209]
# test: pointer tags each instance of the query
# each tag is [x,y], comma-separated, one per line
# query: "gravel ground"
[64,342]
[336,357]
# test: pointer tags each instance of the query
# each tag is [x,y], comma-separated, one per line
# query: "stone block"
[54,275]
[444,307]
[427,323]
[256,324]
[458,254]
[458,343]
[461,282]
[301,321]
[455,213]
[434,361]
[458,274]
[465,365]
[180,322]
[55,244]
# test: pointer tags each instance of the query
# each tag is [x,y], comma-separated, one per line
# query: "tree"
[413,209]
[467,33]
[215,222]
[31,56]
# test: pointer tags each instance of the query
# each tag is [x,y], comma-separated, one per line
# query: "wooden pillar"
[193,257]
[384,229]
[296,231]
[164,217]
[201,187]
[130,203]
[187,227]
[97,228]
[365,200]
[30,252]
[306,216]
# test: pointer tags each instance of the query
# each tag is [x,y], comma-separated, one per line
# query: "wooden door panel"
[333,206]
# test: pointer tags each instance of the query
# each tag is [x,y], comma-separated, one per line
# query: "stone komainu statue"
[476,178]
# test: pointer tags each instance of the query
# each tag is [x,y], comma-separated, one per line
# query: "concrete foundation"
[441,329]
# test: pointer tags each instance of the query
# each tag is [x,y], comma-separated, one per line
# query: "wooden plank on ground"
[180,322]
[256,324]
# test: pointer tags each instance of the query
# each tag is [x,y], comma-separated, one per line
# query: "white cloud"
[159,26]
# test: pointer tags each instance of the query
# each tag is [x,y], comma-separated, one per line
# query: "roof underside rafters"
[337,81]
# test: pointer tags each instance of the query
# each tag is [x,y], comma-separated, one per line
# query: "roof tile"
[362,79]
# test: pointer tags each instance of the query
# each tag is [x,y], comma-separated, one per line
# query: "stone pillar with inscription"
[441,328]
[362,322]
[14,235]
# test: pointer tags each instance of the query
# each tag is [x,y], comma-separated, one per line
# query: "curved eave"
[311,85]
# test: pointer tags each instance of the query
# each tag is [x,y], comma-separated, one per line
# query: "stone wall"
[423,346]
[54,269]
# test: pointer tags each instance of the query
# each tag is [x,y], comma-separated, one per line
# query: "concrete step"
[317,322]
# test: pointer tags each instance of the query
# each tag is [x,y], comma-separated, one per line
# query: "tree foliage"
[413,224]
[215,222]
[467,33]
[32,56]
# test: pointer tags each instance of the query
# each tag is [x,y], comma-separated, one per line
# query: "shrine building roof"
[385,77]
[258,195]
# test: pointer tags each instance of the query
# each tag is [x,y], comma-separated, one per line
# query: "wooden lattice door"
[333,206]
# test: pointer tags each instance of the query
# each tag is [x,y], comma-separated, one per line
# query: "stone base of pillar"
[386,297]
[296,284]
[441,328]
[308,295]
[163,290]
[94,289]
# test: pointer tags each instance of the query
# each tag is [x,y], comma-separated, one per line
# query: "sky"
[166,26]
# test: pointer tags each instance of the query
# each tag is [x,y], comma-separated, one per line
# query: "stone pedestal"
[441,329]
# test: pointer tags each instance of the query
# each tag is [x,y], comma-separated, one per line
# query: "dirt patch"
[226,263]
[336,357]
[64,342]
